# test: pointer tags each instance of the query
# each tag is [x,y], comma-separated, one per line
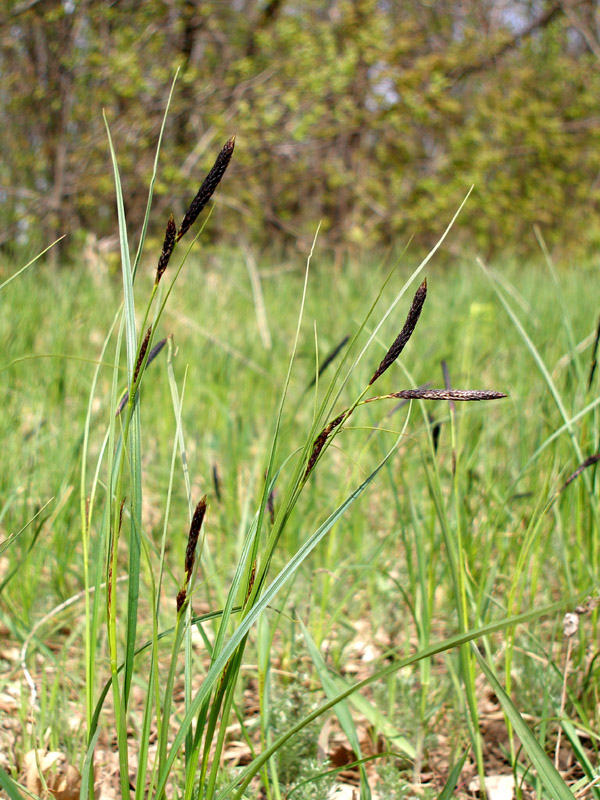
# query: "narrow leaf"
[546,770]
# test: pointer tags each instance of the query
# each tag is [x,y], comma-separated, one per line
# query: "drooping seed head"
[584,465]
[461,395]
[402,339]
[208,187]
[167,248]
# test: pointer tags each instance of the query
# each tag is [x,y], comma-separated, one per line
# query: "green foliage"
[298,760]
[438,544]
[372,117]
[393,786]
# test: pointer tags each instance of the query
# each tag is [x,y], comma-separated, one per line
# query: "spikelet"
[328,359]
[209,185]
[405,334]
[167,248]
[190,551]
[461,395]
[251,582]
[584,465]
[151,356]
[321,440]
[140,359]
[197,519]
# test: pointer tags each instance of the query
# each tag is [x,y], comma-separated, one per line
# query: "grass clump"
[169,622]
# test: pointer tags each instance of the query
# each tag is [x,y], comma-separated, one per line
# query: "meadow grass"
[293,560]
[431,551]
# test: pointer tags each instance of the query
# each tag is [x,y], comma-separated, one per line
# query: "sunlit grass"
[386,563]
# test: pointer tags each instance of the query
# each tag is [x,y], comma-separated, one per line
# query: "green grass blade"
[10,787]
[138,254]
[540,364]
[221,660]
[6,543]
[341,710]
[243,779]
[447,792]
[132,427]
[130,336]
[88,763]
[547,772]
[581,755]
[379,722]
[5,283]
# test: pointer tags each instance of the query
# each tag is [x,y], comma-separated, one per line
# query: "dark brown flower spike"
[251,582]
[216,481]
[197,519]
[405,334]
[121,516]
[584,465]
[271,506]
[594,354]
[143,349]
[209,185]
[328,359]
[461,395]
[321,440]
[152,355]
[181,596]
[190,551]
[167,248]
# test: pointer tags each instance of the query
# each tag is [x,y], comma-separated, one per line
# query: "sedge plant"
[180,754]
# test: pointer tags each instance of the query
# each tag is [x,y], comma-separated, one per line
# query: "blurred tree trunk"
[372,117]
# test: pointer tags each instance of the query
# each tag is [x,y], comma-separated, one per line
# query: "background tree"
[374,117]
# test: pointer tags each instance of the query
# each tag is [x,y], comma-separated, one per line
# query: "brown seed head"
[209,185]
[321,440]
[151,356]
[251,581]
[167,248]
[584,465]
[190,552]
[143,349]
[405,334]
[461,395]
[328,359]
[121,515]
